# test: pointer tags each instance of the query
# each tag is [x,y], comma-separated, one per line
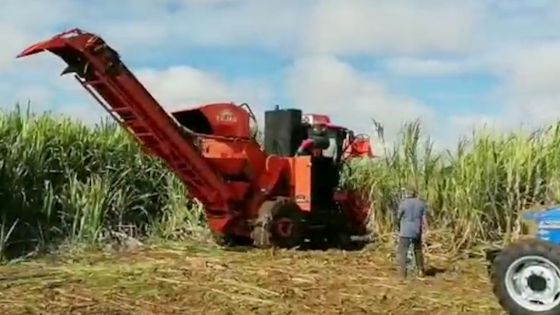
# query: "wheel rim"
[284,227]
[533,282]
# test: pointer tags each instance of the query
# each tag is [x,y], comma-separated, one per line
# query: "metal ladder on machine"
[154,143]
[120,94]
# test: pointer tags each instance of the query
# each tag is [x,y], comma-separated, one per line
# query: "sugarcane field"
[79,183]
[279,157]
[72,184]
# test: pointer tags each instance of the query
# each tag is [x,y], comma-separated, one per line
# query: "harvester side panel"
[99,69]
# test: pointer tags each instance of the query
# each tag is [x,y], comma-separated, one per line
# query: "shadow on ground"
[434,271]
[311,246]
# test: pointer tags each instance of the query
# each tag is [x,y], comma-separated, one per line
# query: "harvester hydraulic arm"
[101,72]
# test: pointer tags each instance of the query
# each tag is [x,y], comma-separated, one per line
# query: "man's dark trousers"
[402,250]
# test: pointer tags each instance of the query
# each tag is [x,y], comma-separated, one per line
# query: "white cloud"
[89,114]
[463,125]
[402,27]
[13,41]
[529,95]
[532,69]
[37,94]
[474,121]
[23,23]
[198,23]
[416,38]
[183,86]
[290,27]
[211,2]
[350,97]
[406,66]
[530,92]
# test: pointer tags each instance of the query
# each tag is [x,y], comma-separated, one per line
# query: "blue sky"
[453,64]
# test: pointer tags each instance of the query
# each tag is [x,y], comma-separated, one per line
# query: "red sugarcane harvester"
[280,196]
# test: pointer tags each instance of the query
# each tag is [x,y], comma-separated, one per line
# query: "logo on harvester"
[302,199]
[226,116]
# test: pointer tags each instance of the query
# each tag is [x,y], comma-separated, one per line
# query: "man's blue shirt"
[411,214]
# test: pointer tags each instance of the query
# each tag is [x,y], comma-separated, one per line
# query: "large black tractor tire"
[522,257]
[280,224]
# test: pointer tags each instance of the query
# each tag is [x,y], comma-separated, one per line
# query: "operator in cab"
[318,141]
[412,218]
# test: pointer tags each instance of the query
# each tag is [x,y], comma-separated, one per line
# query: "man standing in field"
[412,218]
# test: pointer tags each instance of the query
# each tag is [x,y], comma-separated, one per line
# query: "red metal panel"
[301,179]
[225,119]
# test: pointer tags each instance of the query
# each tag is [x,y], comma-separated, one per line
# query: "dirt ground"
[189,279]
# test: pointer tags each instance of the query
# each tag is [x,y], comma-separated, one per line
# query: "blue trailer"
[525,275]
